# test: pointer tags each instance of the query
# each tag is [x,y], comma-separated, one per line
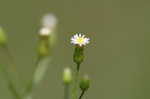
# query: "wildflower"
[80,39]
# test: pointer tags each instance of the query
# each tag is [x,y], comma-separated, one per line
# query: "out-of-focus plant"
[44,52]
[74,88]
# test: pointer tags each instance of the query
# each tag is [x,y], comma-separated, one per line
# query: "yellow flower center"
[80,40]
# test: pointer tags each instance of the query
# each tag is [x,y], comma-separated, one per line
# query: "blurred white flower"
[49,21]
[80,39]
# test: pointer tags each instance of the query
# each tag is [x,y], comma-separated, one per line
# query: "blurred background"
[117,59]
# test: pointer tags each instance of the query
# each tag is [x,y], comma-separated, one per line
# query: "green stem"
[82,94]
[10,85]
[13,69]
[76,81]
[10,57]
[78,67]
[30,86]
[67,91]
[28,90]
[14,91]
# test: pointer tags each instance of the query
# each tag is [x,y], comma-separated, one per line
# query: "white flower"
[49,21]
[80,39]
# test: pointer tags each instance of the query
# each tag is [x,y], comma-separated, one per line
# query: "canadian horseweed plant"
[74,87]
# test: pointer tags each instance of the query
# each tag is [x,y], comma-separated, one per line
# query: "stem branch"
[82,94]
[11,85]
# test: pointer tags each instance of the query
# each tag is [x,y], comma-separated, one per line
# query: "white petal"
[75,36]
[80,35]
[83,36]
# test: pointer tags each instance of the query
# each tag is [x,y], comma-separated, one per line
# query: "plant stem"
[10,85]
[28,90]
[76,78]
[14,91]
[30,86]
[82,93]
[67,91]
[10,57]
[38,74]
[13,69]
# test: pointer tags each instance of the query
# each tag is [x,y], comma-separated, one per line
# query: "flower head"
[80,39]
[49,21]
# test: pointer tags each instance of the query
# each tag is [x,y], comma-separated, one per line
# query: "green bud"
[67,76]
[46,33]
[43,48]
[85,83]
[3,39]
[78,56]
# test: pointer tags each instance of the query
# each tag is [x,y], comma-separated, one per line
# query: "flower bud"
[85,83]
[67,76]
[3,39]
[78,56]
[47,31]
[43,48]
